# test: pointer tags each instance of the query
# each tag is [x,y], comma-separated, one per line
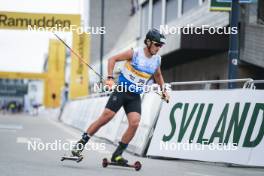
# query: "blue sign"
[240,1]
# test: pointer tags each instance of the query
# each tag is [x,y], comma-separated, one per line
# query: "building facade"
[191,56]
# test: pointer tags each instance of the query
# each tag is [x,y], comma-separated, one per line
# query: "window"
[171,10]
[261,12]
[134,7]
[144,17]
[189,4]
[33,88]
[157,13]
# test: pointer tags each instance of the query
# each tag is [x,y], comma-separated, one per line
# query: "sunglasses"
[157,44]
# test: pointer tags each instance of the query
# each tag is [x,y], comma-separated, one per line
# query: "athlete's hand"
[165,96]
[110,83]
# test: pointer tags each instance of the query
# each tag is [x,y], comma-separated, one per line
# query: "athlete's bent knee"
[108,113]
[134,123]
[106,116]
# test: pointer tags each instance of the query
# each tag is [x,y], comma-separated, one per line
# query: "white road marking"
[26,140]
[197,174]
[11,126]
[7,130]
[22,140]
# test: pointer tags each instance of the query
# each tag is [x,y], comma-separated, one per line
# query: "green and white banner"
[216,125]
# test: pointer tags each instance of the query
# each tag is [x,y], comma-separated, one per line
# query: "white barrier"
[150,108]
[81,113]
[215,116]
[110,130]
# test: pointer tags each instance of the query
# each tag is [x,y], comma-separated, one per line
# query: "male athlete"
[141,65]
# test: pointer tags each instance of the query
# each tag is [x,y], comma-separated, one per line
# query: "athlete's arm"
[159,78]
[126,55]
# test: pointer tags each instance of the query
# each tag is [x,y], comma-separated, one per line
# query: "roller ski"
[119,161]
[76,152]
[72,158]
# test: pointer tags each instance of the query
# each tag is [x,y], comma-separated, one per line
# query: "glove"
[110,83]
[165,96]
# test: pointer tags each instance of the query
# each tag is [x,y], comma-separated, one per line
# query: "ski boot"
[78,148]
[119,160]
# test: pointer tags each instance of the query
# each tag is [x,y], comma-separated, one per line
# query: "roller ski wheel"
[137,165]
[105,162]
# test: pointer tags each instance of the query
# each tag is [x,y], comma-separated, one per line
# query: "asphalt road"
[18,158]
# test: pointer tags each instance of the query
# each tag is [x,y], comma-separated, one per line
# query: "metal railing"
[208,83]
[249,83]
